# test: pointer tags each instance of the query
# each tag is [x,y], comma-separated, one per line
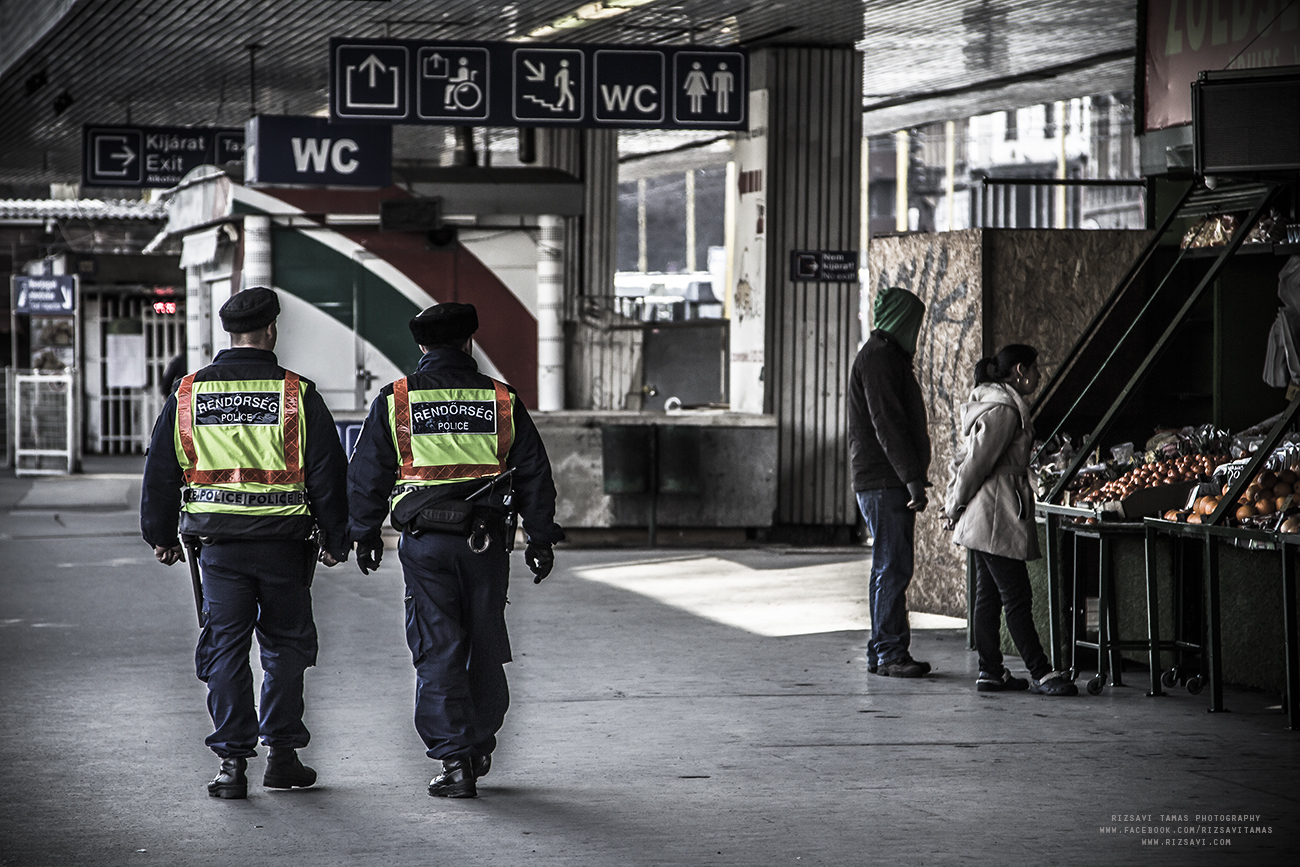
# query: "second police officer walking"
[444,449]
[246,459]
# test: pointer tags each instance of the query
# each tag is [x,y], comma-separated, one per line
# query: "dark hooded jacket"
[889,445]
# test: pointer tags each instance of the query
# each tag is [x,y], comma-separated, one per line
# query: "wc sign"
[311,151]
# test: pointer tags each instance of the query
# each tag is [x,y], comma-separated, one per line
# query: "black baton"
[192,546]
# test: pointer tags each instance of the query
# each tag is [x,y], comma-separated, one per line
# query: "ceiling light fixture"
[585,14]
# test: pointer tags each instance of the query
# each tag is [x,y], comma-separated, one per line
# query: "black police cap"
[449,322]
[250,310]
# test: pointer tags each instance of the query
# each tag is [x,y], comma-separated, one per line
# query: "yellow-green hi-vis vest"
[240,444]
[446,435]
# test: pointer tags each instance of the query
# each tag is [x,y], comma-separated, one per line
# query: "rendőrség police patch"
[453,417]
[237,407]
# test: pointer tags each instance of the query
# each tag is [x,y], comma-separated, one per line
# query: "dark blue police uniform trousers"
[456,629]
[262,585]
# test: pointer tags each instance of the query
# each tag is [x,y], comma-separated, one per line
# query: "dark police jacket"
[889,445]
[373,470]
[324,465]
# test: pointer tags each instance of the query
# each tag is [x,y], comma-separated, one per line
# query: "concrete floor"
[669,708]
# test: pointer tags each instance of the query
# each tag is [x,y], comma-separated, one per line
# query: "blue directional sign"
[370,81]
[55,295]
[508,84]
[548,84]
[453,83]
[630,87]
[706,87]
[153,156]
[311,151]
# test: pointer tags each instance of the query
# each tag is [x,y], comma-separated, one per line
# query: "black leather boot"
[284,770]
[231,782]
[455,781]
[482,764]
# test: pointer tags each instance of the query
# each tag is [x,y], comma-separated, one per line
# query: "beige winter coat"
[989,495]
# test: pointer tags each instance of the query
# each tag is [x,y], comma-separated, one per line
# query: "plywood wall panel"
[946,271]
[1047,285]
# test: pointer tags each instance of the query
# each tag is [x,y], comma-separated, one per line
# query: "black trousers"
[260,586]
[1003,583]
[456,629]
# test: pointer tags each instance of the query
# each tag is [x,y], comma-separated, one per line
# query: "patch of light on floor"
[801,601]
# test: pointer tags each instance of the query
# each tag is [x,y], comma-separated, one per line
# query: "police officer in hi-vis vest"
[456,452]
[246,458]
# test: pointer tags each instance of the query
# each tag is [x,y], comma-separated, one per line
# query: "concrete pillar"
[729,236]
[641,260]
[902,158]
[690,220]
[1062,121]
[550,303]
[950,161]
[800,181]
[198,319]
[257,253]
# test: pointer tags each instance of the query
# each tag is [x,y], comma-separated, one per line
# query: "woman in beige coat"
[990,508]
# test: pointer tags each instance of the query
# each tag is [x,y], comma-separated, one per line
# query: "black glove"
[369,553]
[540,560]
[916,490]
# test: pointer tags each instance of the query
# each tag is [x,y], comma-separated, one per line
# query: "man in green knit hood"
[889,453]
[900,313]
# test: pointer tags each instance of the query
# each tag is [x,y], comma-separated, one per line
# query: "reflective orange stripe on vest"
[292,473]
[408,471]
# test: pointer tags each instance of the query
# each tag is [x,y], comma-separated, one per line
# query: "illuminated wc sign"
[311,151]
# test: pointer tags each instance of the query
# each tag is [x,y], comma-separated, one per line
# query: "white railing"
[43,423]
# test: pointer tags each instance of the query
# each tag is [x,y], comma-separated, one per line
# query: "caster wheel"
[1095,686]
[1169,678]
[1194,685]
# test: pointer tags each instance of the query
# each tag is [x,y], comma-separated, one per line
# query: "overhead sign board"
[824,266]
[510,84]
[46,296]
[311,151]
[153,156]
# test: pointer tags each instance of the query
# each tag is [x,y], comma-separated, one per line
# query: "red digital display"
[164,307]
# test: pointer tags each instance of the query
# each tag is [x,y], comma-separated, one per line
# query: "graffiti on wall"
[943,270]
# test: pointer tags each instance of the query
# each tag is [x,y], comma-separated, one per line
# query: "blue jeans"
[892,527]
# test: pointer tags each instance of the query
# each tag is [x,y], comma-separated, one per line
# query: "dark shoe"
[872,667]
[284,771]
[455,781]
[904,667]
[1003,682]
[482,764]
[232,781]
[1054,683]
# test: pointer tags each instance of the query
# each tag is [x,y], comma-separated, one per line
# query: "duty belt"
[220,497]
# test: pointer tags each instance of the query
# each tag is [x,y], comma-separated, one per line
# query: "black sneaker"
[1004,682]
[1054,683]
[231,781]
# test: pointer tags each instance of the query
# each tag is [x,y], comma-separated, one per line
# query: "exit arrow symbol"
[535,73]
[373,65]
[126,155]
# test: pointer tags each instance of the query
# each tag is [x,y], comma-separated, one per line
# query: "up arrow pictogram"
[373,65]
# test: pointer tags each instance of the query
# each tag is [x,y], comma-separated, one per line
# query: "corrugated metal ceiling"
[185,61]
